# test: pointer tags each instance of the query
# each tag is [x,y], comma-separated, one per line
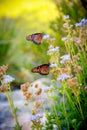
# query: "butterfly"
[42,69]
[35,38]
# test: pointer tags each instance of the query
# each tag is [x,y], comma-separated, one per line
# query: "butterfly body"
[42,69]
[35,38]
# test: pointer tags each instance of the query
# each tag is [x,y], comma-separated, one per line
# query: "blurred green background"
[21,18]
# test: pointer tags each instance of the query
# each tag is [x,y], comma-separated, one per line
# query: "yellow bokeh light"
[45,9]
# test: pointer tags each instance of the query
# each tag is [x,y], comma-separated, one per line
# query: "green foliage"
[7,29]
[50,121]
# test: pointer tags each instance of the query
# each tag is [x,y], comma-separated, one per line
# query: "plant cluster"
[6,88]
[71,70]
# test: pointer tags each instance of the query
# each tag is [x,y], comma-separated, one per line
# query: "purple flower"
[35,117]
[7,79]
[82,23]
[63,77]
[64,38]
[78,24]
[84,20]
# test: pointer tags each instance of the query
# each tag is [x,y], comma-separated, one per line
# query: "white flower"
[52,49]
[63,77]
[47,89]
[44,119]
[64,38]
[66,16]
[46,36]
[7,79]
[55,127]
[62,62]
[65,58]
[53,65]
[71,25]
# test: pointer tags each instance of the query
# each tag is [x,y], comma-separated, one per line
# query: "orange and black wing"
[35,69]
[29,38]
[42,69]
[35,38]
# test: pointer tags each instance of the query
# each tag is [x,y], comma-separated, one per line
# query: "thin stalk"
[58,121]
[73,105]
[65,109]
[80,109]
[12,107]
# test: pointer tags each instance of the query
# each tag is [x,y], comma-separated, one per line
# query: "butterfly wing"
[35,70]
[36,38]
[29,38]
[42,69]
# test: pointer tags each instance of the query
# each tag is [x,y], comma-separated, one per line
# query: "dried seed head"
[65,25]
[36,86]
[34,112]
[66,70]
[77,40]
[39,91]
[73,83]
[1,74]
[3,68]
[3,88]
[61,71]
[75,57]
[24,87]
[28,96]
[25,92]
[77,68]
[37,104]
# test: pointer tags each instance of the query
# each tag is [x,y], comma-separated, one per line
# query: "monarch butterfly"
[42,69]
[35,38]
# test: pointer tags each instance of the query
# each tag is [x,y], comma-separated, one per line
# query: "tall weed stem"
[13,109]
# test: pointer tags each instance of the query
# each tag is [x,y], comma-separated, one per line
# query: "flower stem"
[65,109]
[80,109]
[12,107]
